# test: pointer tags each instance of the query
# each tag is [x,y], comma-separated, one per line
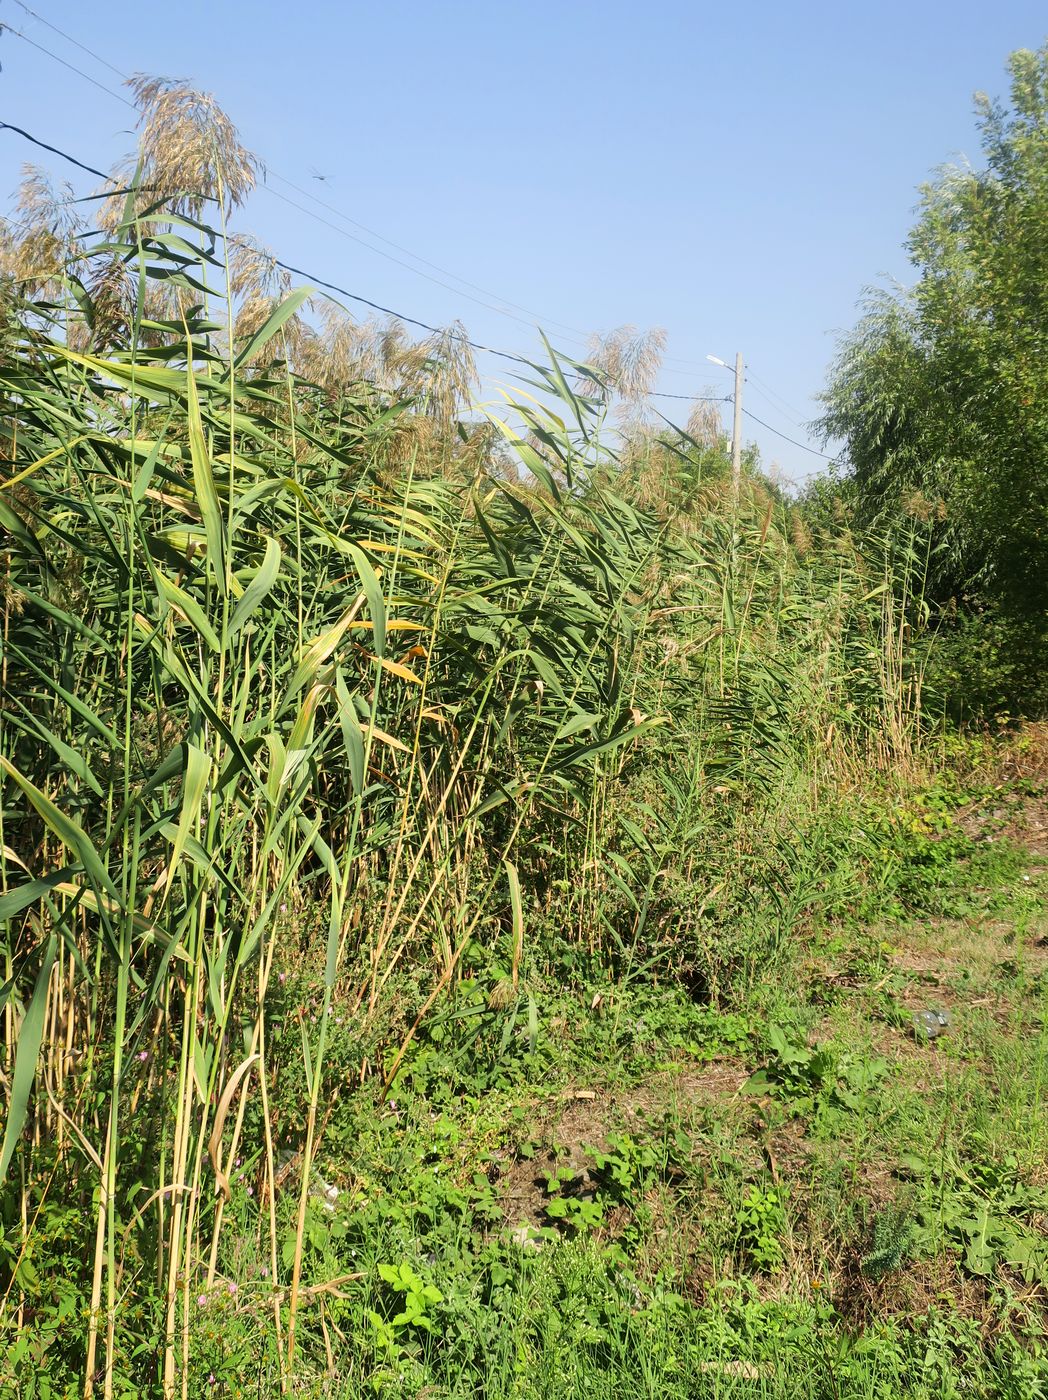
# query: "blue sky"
[734,173]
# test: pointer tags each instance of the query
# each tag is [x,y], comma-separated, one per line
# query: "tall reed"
[263,658]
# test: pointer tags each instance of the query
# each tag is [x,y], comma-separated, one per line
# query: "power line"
[529,319]
[762,394]
[407,266]
[70,40]
[289,267]
[452,335]
[409,320]
[782,405]
[533,317]
[315,199]
[291,184]
[354,296]
[689,398]
[373,233]
[66,64]
[7,126]
[803,446]
[388,311]
[488,306]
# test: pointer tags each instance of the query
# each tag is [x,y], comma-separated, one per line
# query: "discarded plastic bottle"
[929,1025]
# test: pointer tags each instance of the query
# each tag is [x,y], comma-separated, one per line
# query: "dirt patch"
[1025,758]
[1020,818]
[697,1085]
[1017,810]
[898,1045]
[965,962]
[522,1192]
[787,1151]
[912,1291]
[584,1114]
[583,1117]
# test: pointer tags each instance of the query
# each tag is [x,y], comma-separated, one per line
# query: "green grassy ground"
[631,1194]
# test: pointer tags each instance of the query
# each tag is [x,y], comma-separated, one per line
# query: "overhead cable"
[532,317]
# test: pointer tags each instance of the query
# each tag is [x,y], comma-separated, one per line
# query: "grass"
[637,1194]
[734,1243]
[466,894]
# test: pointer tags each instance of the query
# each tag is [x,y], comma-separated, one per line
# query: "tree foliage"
[941,390]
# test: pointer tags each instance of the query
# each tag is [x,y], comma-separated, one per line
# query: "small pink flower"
[281,977]
[143,1055]
[232,1290]
[250,1190]
[201,1300]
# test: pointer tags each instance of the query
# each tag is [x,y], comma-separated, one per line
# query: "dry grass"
[626,362]
[189,151]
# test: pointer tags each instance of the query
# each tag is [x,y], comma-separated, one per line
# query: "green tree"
[941,391]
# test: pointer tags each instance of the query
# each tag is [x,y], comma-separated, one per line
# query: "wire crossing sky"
[737,175]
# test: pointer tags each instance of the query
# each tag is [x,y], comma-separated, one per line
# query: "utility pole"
[736,432]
